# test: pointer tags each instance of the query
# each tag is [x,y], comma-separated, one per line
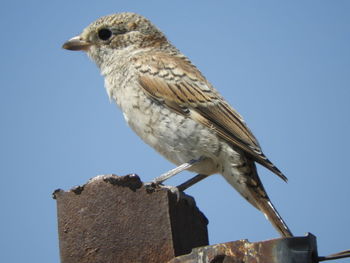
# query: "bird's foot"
[152,187]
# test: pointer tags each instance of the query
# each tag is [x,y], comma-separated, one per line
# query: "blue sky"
[284,65]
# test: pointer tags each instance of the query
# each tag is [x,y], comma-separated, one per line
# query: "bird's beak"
[76,43]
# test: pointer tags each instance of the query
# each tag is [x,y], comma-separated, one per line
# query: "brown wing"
[181,86]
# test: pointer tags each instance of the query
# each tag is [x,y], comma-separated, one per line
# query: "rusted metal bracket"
[119,219]
[281,250]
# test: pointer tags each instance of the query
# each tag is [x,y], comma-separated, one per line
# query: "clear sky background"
[284,65]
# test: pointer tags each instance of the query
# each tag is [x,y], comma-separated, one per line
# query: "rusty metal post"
[116,219]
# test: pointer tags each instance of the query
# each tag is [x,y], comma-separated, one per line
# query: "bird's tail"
[248,184]
[266,206]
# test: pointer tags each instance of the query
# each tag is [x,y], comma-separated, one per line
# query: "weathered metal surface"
[282,250]
[116,219]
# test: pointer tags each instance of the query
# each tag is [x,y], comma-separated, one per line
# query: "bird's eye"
[104,33]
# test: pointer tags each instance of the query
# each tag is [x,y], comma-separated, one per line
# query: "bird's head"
[113,33]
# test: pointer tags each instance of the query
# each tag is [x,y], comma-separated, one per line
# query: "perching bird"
[168,102]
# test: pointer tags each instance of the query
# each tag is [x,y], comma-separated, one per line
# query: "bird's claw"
[153,186]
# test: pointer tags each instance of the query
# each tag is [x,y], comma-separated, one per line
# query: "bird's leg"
[192,181]
[165,176]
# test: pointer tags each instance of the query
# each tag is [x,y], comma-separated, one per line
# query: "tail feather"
[245,180]
[264,204]
[274,217]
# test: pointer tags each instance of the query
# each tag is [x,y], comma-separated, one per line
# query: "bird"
[172,107]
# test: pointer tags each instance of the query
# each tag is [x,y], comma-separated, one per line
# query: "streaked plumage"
[172,107]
